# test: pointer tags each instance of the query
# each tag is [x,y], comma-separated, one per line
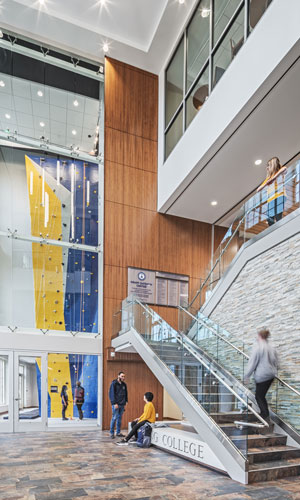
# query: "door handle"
[17,399]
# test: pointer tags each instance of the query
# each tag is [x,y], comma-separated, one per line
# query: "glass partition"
[215,34]
[49,196]
[48,287]
[223,12]
[197,97]
[228,48]
[44,102]
[256,10]
[197,41]
[175,132]
[174,83]
[4,388]
[72,389]
[29,388]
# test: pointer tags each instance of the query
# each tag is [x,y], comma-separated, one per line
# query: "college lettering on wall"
[158,288]
[185,444]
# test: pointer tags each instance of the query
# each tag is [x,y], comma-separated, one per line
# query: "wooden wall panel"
[134,233]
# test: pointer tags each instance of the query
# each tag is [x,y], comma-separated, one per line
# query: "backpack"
[80,394]
[144,436]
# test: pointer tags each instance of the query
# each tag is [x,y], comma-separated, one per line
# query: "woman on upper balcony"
[274,184]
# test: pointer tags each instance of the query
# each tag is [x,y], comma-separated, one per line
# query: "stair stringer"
[231,459]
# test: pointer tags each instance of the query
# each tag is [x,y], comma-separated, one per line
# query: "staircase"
[216,404]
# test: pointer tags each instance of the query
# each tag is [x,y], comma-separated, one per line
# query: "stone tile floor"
[65,466]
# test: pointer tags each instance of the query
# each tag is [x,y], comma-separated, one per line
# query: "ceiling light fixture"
[258,162]
[105,47]
[214,203]
[40,93]
[42,2]
[181,1]
[2,84]
[76,103]
[42,124]
[74,132]
[205,12]
[7,116]
[1,34]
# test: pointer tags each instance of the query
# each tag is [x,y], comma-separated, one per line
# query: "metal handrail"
[234,347]
[190,348]
[261,202]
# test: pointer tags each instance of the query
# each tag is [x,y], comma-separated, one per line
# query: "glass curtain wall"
[51,147]
[212,39]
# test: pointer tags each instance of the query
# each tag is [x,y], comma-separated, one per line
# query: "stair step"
[259,440]
[269,471]
[232,430]
[272,453]
[232,416]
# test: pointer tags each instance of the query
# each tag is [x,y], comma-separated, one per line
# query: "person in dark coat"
[118,398]
[79,398]
[64,401]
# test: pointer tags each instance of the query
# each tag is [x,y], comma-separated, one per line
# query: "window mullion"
[210,68]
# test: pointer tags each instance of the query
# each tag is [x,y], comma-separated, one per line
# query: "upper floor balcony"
[229,95]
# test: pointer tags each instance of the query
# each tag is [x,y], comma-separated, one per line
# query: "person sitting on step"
[147,416]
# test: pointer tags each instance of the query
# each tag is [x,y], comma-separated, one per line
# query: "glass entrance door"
[6,391]
[30,391]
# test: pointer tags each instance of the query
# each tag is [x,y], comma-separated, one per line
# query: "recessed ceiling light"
[42,2]
[2,84]
[76,103]
[40,93]
[42,124]
[7,116]
[205,12]
[74,132]
[1,34]
[105,47]
[258,162]
[214,203]
[181,1]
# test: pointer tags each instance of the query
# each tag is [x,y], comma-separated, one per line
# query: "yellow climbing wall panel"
[45,213]
[59,375]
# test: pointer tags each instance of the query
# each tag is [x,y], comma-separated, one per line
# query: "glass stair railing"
[251,220]
[203,375]
[229,354]
[196,373]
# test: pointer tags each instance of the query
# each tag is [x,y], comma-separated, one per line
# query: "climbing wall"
[63,200]
[59,375]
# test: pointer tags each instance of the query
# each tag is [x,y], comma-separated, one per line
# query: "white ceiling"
[23,111]
[138,32]
[132,22]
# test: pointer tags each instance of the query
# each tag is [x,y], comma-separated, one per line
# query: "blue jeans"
[116,417]
[275,209]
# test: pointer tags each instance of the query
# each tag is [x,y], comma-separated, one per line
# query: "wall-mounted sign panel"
[154,287]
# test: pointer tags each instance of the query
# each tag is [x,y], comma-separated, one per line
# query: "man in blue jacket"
[118,398]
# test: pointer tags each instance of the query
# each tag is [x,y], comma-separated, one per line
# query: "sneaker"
[123,442]
[112,436]
[120,435]
[65,418]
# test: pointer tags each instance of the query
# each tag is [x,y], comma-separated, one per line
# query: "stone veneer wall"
[267,294]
